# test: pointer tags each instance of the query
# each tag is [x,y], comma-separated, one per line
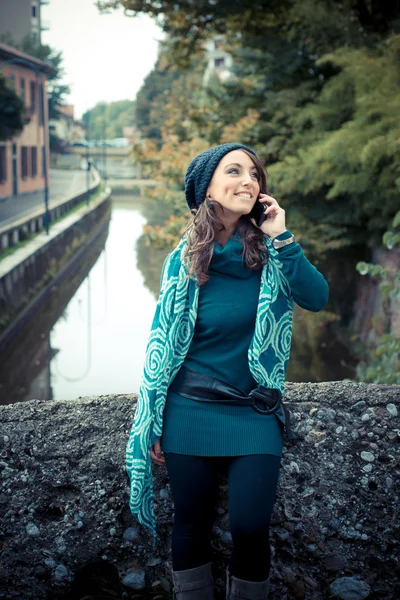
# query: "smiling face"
[235,184]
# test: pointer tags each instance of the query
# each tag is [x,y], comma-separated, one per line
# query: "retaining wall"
[335,531]
[25,274]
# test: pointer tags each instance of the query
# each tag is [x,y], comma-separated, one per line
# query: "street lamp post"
[46,189]
[104,153]
[40,104]
[87,160]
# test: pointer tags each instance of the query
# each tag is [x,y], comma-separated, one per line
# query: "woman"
[211,394]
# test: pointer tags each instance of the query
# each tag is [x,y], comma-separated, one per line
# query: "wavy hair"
[205,223]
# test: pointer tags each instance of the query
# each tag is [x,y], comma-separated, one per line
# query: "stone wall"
[335,534]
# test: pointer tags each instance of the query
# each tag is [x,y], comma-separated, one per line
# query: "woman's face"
[235,183]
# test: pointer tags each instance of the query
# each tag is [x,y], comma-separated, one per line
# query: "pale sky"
[106,56]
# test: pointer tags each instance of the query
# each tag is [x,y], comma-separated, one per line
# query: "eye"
[233,170]
[255,174]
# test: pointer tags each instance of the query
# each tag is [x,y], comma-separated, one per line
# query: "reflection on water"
[91,337]
[25,363]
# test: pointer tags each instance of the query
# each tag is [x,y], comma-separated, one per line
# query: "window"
[33,161]
[33,96]
[41,104]
[24,162]
[3,164]
[219,62]
[34,35]
[34,11]
[22,89]
[217,44]
[11,81]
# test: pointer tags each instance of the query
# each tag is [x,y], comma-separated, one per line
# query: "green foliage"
[383,360]
[315,90]
[12,111]
[107,120]
[333,141]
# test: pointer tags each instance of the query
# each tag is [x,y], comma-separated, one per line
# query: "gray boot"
[194,584]
[246,590]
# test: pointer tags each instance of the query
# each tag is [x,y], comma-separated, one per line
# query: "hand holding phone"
[274,222]
[257,212]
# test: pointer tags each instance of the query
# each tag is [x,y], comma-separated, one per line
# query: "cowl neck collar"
[228,259]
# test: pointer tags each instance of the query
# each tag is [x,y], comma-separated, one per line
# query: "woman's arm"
[308,285]
[309,288]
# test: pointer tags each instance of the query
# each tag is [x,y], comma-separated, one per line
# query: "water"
[101,340]
[91,337]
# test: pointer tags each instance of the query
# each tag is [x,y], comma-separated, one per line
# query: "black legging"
[252,481]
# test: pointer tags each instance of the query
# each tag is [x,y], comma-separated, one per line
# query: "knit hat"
[201,170]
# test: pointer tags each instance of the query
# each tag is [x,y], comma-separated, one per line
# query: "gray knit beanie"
[201,170]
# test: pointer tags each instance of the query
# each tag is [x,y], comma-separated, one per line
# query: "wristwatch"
[281,243]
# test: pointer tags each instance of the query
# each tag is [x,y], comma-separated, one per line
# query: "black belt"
[205,388]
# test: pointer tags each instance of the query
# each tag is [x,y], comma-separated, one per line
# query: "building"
[65,127]
[22,18]
[219,61]
[24,159]
[128,132]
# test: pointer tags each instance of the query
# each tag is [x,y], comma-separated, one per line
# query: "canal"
[90,337]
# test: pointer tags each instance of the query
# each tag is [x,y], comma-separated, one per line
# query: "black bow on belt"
[205,388]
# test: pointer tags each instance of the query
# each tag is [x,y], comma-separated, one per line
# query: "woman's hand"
[156,455]
[275,222]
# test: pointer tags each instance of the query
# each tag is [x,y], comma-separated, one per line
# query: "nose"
[246,179]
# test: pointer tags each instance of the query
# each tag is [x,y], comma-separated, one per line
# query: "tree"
[107,120]
[318,23]
[316,93]
[12,111]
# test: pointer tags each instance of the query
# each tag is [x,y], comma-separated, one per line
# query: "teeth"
[248,196]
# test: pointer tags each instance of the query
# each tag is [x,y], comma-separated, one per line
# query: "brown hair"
[205,223]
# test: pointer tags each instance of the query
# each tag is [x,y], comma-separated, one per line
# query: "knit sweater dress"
[224,329]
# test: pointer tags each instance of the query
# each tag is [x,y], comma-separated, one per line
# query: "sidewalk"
[62,184]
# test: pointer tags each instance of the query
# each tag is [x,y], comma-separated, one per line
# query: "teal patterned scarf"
[170,337]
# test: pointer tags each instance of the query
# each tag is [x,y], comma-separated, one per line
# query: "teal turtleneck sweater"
[223,333]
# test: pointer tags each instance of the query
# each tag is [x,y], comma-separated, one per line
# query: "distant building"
[22,18]
[128,132]
[219,62]
[22,158]
[65,127]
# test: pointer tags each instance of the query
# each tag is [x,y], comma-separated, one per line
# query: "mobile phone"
[257,212]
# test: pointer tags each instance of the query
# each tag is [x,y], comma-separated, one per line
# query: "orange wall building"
[22,158]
